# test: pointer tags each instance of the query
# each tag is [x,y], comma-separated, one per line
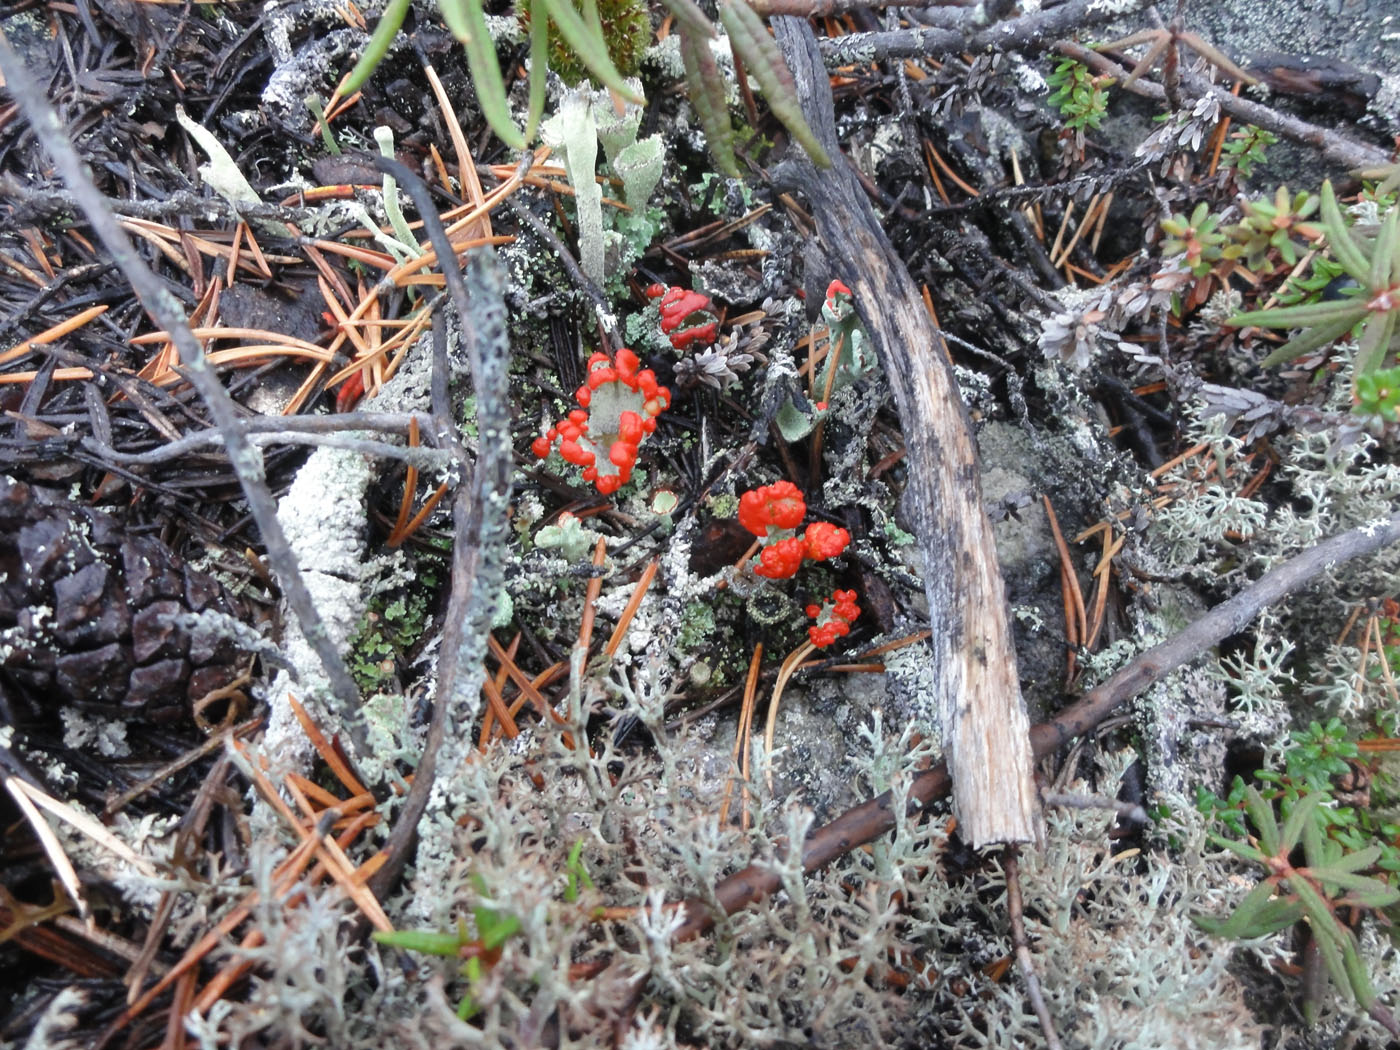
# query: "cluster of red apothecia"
[773,513]
[686,316]
[834,618]
[618,406]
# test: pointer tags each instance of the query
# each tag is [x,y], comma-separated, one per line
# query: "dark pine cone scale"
[87,614]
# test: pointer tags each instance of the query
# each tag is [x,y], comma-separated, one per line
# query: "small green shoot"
[1372,307]
[1081,97]
[577,873]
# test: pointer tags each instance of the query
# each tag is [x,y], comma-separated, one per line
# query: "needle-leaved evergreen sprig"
[1328,880]
[1079,95]
[1372,305]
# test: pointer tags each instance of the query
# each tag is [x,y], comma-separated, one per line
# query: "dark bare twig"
[479,513]
[1335,147]
[1028,31]
[165,311]
[305,430]
[1015,909]
[865,822]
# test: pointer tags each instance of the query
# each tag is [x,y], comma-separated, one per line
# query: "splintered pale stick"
[983,721]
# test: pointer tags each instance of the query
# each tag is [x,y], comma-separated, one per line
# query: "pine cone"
[86,614]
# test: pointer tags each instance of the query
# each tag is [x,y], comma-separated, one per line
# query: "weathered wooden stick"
[983,721]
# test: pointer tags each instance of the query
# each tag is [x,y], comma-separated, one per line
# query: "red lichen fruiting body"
[619,404]
[686,317]
[825,540]
[778,506]
[781,560]
[834,618]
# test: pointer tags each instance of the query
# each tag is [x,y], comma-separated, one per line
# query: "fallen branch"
[977,692]
[1030,30]
[865,822]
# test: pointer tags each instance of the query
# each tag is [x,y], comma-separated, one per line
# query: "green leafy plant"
[1327,881]
[1081,97]
[1245,148]
[582,31]
[478,954]
[577,873]
[389,629]
[1318,759]
[1378,397]
[1199,238]
[1372,307]
[1272,225]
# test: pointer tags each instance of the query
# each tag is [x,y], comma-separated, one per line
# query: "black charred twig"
[1335,147]
[869,820]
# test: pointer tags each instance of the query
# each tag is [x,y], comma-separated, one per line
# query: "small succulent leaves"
[705,88]
[764,61]
[1374,266]
[1199,238]
[1378,394]
[834,618]
[1272,225]
[686,316]
[618,406]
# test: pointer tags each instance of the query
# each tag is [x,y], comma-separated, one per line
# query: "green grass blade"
[1383,251]
[706,90]
[486,76]
[1308,341]
[1344,249]
[539,67]
[1304,316]
[1262,813]
[1298,816]
[688,14]
[454,13]
[1374,344]
[389,25]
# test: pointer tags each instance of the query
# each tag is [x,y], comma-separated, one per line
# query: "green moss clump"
[626,28]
